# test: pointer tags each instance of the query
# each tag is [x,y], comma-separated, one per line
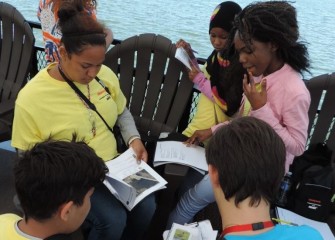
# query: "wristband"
[132,138]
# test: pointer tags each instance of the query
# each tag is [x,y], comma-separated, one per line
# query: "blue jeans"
[192,201]
[109,219]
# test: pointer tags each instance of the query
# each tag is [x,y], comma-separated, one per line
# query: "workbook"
[180,153]
[130,181]
[182,56]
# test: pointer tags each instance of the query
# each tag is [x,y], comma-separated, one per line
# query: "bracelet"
[132,138]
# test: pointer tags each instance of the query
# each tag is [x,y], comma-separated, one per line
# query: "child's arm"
[292,123]
[204,134]
[182,43]
[292,127]
[204,85]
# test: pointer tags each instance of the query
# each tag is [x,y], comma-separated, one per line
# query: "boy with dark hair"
[246,164]
[54,182]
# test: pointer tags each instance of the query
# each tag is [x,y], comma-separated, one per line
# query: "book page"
[139,176]
[292,217]
[123,192]
[181,232]
[195,231]
[182,56]
[180,153]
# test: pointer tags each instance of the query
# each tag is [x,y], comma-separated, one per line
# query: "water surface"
[189,20]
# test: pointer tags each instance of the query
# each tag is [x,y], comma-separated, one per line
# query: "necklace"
[247,227]
[91,115]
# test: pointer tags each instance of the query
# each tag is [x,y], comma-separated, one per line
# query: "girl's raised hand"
[186,46]
[256,98]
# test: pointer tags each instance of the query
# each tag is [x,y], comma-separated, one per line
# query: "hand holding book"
[187,47]
[182,56]
[130,181]
[185,54]
[179,153]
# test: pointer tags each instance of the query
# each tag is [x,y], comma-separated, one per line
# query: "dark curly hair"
[276,22]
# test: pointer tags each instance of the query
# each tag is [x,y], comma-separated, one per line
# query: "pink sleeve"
[204,85]
[292,128]
[195,63]
[217,126]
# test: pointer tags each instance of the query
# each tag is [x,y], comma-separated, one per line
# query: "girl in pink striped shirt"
[266,38]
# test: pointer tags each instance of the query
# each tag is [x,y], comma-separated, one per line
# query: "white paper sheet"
[195,231]
[292,217]
[180,153]
[182,56]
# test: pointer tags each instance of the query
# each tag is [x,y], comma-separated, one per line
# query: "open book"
[182,56]
[177,152]
[131,182]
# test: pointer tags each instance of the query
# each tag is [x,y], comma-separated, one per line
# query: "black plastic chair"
[159,93]
[321,113]
[155,84]
[16,50]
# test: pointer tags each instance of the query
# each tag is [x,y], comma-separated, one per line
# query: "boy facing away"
[54,182]
[246,164]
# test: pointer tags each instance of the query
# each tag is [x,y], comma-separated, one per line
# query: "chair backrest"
[322,110]
[155,84]
[16,49]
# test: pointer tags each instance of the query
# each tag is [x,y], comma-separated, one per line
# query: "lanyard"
[84,98]
[247,227]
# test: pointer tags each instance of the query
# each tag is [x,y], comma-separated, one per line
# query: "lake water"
[189,20]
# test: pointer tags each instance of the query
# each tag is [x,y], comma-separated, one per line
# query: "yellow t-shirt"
[8,229]
[207,114]
[46,108]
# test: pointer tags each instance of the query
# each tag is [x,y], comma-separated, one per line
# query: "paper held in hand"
[194,231]
[131,182]
[179,153]
[182,56]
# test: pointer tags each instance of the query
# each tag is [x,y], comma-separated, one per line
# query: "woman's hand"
[199,136]
[139,149]
[257,99]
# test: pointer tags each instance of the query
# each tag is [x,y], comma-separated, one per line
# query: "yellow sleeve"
[204,117]
[25,132]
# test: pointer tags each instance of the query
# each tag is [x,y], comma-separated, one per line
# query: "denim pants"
[109,219]
[197,197]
